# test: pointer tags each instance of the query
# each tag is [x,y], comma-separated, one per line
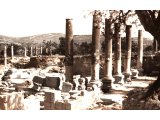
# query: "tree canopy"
[149,19]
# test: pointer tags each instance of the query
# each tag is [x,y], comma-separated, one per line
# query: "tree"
[150,19]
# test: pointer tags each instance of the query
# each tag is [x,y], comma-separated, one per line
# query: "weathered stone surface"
[53,82]
[36,86]
[53,95]
[38,79]
[66,87]
[11,101]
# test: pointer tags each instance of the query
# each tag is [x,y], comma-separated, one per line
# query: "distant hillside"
[54,37]
[31,40]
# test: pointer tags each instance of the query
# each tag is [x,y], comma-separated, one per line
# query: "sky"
[30,17]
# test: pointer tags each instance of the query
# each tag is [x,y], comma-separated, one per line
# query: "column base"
[94,85]
[140,72]
[107,84]
[134,73]
[119,79]
[127,76]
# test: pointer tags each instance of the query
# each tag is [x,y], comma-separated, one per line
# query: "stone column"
[94,82]
[25,51]
[5,55]
[36,51]
[108,79]
[31,52]
[50,51]
[140,51]
[155,45]
[117,66]
[47,51]
[69,52]
[12,52]
[127,64]
[41,50]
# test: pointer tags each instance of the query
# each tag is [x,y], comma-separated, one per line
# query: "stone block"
[53,95]
[11,101]
[49,105]
[53,82]
[60,105]
[38,80]
[36,86]
[66,87]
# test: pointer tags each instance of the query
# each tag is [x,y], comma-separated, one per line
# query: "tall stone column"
[25,51]
[94,82]
[47,51]
[155,45]
[117,66]
[12,52]
[36,51]
[50,51]
[5,55]
[41,50]
[108,79]
[31,51]
[127,64]
[140,51]
[69,52]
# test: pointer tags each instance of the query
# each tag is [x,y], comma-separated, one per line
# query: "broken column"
[25,51]
[5,55]
[12,52]
[140,51]
[69,52]
[127,64]
[117,66]
[108,79]
[94,82]
[31,52]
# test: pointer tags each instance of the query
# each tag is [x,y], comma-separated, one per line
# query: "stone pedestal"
[134,73]
[119,79]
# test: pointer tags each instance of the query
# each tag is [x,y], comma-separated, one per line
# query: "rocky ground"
[128,97]
[122,97]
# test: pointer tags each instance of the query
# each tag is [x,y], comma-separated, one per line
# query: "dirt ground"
[126,96]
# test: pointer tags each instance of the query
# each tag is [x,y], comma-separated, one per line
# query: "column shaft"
[69,51]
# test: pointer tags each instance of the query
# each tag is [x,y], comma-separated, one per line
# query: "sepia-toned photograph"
[69,56]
